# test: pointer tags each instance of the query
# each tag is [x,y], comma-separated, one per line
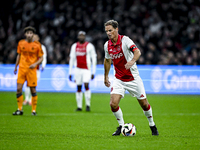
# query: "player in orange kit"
[29,56]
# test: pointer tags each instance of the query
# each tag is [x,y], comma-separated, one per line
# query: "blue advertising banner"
[157,79]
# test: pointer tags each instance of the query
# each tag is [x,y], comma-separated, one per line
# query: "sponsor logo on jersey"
[116,56]
[80,53]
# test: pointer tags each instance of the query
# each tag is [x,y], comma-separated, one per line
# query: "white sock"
[28,94]
[79,99]
[148,113]
[119,115]
[87,97]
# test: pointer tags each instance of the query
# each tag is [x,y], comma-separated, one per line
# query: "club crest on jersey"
[117,49]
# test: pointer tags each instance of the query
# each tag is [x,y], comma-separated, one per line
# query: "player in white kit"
[82,56]
[124,53]
[28,96]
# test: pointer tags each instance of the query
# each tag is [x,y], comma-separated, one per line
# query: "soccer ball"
[128,129]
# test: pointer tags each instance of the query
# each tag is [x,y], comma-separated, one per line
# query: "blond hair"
[112,23]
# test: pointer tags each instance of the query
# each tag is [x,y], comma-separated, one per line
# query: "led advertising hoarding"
[158,79]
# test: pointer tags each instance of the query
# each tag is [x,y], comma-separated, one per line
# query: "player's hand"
[92,77]
[129,64]
[32,66]
[107,82]
[15,71]
[70,77]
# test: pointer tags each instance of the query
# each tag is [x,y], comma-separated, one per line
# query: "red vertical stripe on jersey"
[81,53]
[117,55]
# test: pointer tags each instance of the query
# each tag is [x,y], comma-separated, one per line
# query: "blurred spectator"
[167,32]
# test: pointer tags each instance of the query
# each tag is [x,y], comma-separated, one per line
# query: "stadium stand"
[166,31]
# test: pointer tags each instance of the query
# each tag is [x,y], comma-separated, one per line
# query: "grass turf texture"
[58,126]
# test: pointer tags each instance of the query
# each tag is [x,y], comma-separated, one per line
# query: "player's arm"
[71,60]
[136,56]
[17,63]
[40,56]
[107,64]
[133,48]
[36,63]
[44,62]
[94,60]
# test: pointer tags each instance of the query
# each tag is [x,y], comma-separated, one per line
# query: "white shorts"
[135,88]
[82,76]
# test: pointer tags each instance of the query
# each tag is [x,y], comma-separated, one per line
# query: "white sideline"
[102,114]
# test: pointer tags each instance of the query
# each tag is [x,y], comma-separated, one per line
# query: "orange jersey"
[29,53]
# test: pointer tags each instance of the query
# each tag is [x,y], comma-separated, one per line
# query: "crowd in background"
[166,31]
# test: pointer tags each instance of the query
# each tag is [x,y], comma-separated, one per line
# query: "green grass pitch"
[58,126]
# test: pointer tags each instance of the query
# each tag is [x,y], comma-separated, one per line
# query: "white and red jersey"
[120,55]
[44,61]
[81,56]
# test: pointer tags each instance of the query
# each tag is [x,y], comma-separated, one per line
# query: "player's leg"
[86,80]
[141,97]
[136,88]
[20,81]
[147,110]
[27,96]
[117,92]
[34,100]
[87,96]
[19,96]
[149,114]
[32,83]
[114,104]
[79,98]
[19,100]
[79,95]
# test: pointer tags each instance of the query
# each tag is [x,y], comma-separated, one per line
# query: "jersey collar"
[118,41]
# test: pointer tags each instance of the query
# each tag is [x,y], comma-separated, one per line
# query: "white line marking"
[107,114]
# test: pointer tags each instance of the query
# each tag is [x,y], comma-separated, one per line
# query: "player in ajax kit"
[82,55]
[124,53]
[28,96]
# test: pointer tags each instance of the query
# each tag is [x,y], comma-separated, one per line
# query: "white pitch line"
[107,114]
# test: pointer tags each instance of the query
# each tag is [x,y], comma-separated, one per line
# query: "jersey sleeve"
[93,57]
[18,47]
[130,44]
[107,56]
[44,62]
[40,52]
[72,58]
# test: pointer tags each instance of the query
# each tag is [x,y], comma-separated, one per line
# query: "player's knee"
[19,90]
[34,94]
[113,104]
[86,86]
[79,88]
[144,105]
[18,95]
[33,90]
